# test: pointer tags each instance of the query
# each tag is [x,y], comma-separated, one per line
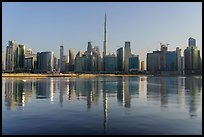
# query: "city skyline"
[126,22]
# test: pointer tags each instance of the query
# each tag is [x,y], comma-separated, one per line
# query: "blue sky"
[44,26]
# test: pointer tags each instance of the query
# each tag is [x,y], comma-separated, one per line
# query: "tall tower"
[61,66]
[105,42]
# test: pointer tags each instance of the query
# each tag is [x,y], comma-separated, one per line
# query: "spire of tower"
[105,46]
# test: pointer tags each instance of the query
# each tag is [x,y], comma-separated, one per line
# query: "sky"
[45,26]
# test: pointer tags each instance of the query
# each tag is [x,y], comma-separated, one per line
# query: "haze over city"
[45,26]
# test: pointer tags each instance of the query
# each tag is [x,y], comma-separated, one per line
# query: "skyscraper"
[105,43]
[10,55]
[89,48]
[20,57]
[78,62]
[142,65]
[192,58]
[191,42]
[71,60]
[110,63]
[61,63]
[45,62]
[120,59]
[127,55]
[134,63]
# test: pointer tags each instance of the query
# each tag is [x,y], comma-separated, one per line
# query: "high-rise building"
[55,66]
[45,62]
[97,59]
[61,63]
[110,63]
[134,63]
[78,62]
[89,48]
[192,58]
[178,54]
[10,55]
[105,42]
[171,61]
[120,59]
[142,65]
[127,55]
[30,63]
[163,51]
[28,51]
[153,62]
[20,58]
[71,60]
[191,42]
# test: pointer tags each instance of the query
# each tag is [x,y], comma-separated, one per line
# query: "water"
[102,105]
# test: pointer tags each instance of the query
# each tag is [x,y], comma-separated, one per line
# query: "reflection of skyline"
[18,93]
[193,87]
[43,89]
[177,90]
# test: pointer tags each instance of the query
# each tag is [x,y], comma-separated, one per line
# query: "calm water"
[102,105]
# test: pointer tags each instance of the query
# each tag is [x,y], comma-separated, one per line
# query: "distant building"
[142,65]
[127,55]
[164,61]
[110,63]
[55,64]
[10,55]
[84,61]
[71,60]
[78,62]
[120,59]
[191,42]
[62,62]
[28,51]
[192,58]
[153,62]
[45,62]
[163,51]
[134,63]
[90,61]
[171,61]
[89,48]
[97,59]
[20,58]
[30,63]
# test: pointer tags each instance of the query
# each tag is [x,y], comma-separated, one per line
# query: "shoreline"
[64,75]
[73,75]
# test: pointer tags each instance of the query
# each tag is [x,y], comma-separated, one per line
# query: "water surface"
[102,105]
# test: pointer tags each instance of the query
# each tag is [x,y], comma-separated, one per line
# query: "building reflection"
[18,92]
[164,90]
[89,90]
[70,85]
[52,85]
[143,88]
[105,110]
[157,90]
[43,88]
[120,89]
[63,86]
[193,92]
